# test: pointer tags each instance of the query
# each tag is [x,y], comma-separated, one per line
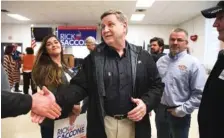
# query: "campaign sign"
[62,128]
[75,36]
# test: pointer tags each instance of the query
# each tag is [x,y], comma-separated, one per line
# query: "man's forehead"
[109,18]
[154,42]
[177,34]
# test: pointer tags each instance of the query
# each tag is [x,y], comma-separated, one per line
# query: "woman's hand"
[75,112]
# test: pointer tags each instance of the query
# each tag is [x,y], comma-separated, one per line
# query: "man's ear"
[125,26]
[160,49]
[186,41]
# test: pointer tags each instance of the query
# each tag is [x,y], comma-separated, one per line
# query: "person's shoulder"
[134,45]
[28,56]
[161,60]
[194,62]
[6,57]
[163,57]
[100,46]
[192,59]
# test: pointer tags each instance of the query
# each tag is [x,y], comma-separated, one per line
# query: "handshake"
[44,105]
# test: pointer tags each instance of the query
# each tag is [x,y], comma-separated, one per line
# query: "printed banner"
[62,128]
[75,35]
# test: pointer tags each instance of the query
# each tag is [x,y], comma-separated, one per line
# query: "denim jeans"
[169,126]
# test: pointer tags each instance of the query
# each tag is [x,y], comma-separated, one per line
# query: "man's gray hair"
[119,14]
[90,39]
[177,30]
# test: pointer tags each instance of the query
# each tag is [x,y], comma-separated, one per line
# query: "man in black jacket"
[122,83]
[14,104]
[211,114]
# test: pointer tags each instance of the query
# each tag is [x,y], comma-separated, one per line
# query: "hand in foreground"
[44,105]
[139,111]
[37,118]
[75,112]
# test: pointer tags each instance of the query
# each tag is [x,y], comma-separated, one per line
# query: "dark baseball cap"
[211,12]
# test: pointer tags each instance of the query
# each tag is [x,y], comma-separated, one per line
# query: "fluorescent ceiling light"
[18,17]
[137,17]
[144,3]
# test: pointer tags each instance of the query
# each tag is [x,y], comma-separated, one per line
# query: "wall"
[136,34]
[18,33]
[207,46]
[213,45]
[196,26]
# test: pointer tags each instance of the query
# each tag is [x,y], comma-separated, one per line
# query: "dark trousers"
[46,132]
[17,86]
[169,126]
[27,80]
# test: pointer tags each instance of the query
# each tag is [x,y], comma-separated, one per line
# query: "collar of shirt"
[177,56]
[113,51]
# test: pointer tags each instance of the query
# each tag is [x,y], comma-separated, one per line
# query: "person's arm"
[197,82]
[153,96]
[14,104]
[76,91]
[6,64]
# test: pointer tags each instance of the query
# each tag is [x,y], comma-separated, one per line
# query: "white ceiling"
[88,12]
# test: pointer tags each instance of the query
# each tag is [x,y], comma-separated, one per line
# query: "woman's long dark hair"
[45,71]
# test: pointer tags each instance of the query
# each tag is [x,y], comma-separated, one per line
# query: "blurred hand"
[72,118]
[37,118]
[44,104]
[76,109]
[139,111]
[172,111]
[75,112]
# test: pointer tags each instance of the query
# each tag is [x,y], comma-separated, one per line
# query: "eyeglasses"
[178,40]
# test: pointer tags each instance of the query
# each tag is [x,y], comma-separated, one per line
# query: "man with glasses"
[184,79]
[211,114]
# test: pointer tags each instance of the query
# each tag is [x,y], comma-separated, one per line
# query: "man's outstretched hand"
[44,105]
